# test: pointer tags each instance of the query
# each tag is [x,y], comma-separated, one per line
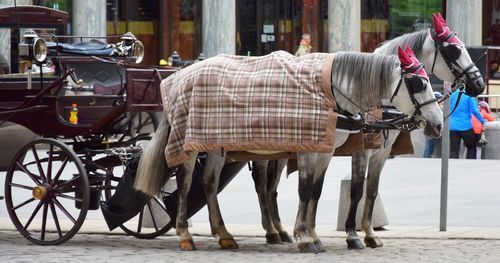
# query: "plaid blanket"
[276,102]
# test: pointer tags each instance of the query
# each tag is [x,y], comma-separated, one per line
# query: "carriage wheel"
[151,222]
[47,192]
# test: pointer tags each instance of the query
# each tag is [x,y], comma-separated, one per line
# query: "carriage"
[72,167]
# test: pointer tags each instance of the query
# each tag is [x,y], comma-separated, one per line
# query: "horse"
[443,53]
[445,56]
[353,75]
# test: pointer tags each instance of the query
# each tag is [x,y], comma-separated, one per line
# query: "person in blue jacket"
[461,125]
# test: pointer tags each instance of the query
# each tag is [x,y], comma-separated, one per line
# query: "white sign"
[270,38]
[268,29]
[263,38]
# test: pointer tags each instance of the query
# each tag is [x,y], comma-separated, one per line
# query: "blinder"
[414,84]
[452,52]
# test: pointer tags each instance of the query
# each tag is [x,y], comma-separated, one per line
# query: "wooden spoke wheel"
[47,192]
[151,222]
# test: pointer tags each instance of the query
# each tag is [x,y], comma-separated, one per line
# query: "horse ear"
[440,17]
[403,57]
[438,25]
[409,51]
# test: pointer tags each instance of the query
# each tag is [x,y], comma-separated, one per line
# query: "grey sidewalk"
[410,193]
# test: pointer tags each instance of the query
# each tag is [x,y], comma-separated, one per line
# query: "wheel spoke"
[56,220]
[69,182]
[49,163]
[33,215]
[21,186]
[152,215]
[38,163]
[69,197]
[59,172]
[23,203]
[139,223]
[44,221]
[159,202]
[64,211]
[32,176]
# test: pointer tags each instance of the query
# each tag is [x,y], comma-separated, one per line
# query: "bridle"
[450,54]
[401,122]
[414,85]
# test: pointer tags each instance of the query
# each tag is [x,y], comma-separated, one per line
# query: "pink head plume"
[409,61]
[442,31]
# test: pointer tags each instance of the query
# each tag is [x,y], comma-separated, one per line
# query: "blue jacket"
[461,119]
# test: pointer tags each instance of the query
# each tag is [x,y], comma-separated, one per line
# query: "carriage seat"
[89,48]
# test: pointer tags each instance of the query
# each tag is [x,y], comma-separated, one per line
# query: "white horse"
[353,77]
[443,55]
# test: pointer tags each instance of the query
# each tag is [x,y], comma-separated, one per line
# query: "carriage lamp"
[138,51]
[32,47]
[134,46]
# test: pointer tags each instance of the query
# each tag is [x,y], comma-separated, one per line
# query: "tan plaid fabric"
[276,102]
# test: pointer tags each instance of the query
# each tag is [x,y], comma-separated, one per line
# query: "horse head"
[415,87]
[451,61]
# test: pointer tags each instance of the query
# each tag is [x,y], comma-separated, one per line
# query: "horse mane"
[363,77]
[415,40]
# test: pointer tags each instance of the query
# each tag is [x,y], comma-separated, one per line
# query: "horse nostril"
[438,127]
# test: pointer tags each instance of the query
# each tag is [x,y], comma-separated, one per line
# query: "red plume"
[404,58]
[409,60]
[443,31]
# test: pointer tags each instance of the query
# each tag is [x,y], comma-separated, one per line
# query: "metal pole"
[445,156]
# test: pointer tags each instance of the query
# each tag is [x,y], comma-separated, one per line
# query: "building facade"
[258,27]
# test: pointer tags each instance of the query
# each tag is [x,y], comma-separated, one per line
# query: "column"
[465,18]
[219,27]
[89,18]
[344,25]
[5,33]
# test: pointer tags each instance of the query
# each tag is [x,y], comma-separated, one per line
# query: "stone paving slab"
[120,248]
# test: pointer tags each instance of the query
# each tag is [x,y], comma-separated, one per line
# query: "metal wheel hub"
[40,192]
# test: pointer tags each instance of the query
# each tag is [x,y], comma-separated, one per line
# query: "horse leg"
[376,164]
[184,180]
[273,179]
[319,176]
[260,179]
[305,162]
[211,176]
[358,171]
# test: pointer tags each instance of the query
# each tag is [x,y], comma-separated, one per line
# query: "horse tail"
[152,165]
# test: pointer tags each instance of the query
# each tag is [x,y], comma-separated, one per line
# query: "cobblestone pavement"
[120,248]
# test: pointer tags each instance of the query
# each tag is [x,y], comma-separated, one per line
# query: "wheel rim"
[44,183]
[152,221]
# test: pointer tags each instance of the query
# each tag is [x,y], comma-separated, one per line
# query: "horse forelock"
[364,77]
[415,40]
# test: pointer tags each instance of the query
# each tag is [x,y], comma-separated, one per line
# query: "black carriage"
[73,167]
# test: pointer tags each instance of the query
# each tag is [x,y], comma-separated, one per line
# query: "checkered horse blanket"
[276,102]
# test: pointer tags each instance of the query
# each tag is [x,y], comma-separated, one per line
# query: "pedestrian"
[431,143]
[461,124]
[304,46]
[478,128]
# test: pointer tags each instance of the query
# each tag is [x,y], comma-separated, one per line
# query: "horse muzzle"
[474,87]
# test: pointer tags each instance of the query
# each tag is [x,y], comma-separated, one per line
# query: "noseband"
[450,55]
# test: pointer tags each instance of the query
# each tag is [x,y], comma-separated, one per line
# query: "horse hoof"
[307,247]
[319,246]
[354,243]
[228,243]
[373,242]
[285,237]
[273,238]
[187,245]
